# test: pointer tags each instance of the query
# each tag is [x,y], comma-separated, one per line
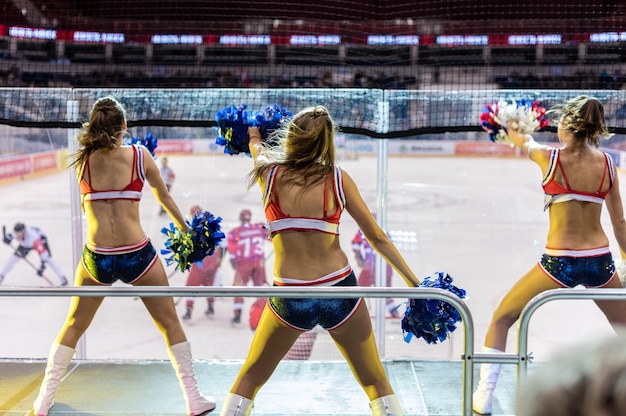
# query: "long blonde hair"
[583,116]
[307,149]
[103,130]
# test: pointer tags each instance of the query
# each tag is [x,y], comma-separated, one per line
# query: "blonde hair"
[583,116]
[103,130]
[306,149]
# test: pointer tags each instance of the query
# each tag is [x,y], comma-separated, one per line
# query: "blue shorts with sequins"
[130,266]
[589,271]
[306,313]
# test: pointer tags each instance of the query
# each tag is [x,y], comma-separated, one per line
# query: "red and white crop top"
[278,221]
[556,192]
[132,191]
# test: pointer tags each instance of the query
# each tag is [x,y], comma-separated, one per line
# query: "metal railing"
[545,297]
[521,358]
[283,292]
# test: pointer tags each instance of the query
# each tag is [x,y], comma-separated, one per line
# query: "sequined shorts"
[106,265]
[570,268]
[305,313]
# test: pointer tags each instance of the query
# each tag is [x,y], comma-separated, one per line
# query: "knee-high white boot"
[386,406]
[483,396]
[197,404]
[58,360]
[236,405]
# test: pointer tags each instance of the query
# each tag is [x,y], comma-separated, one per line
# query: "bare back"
[306,255]
[576,224]
[112,222]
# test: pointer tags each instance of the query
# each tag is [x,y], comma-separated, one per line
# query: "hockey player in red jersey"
[246,246]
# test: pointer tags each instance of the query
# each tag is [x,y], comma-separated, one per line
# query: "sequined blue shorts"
[306,313]
[590,268]
[106,265]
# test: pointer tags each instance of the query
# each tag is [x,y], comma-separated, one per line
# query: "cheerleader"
[578,179]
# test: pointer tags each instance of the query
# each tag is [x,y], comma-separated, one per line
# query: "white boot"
[386,406]
[236,405]
[58,360]
[483,396]
[180,356]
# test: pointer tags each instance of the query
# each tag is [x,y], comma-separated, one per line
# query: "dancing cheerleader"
[577,179]
[304,194]
[111,177]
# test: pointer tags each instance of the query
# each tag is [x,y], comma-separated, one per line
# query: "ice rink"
[479,219]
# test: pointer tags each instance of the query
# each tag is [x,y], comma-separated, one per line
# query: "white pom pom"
[526,117]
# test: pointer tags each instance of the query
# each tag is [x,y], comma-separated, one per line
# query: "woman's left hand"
[512,125]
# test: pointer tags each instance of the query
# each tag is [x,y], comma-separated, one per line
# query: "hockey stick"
[37,270]
[4,233]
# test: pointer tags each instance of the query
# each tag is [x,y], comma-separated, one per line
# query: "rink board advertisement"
[18,166]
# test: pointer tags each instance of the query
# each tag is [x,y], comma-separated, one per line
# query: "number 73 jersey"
[247,242]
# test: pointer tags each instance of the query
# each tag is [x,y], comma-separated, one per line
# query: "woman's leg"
[162,309]
[271,342]
[163,312]
[505,315]
[81,312]
[355,339]
[507,312]
[80,315]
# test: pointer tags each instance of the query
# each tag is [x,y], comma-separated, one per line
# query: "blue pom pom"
[233,123]
[150,142]
[203,237]
[232,128]
[271,120]
[431,319]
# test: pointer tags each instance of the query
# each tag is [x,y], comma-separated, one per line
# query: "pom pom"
[528,115]
[232,129]
[432,319]
[150,142]
[203,237]
[233,123]
[271,120]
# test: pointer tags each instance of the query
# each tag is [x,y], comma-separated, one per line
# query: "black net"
[370,112]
